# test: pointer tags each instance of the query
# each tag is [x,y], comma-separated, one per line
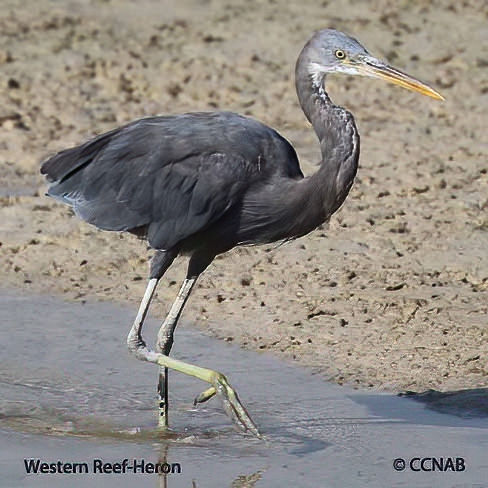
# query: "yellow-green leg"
[219,383]
[220,386]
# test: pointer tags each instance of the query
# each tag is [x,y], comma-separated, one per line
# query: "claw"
[232,404]
[205,396]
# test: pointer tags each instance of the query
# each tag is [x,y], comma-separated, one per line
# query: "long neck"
[294,207]
[337,134]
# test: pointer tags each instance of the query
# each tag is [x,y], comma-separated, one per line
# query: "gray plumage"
[211,181]
[171,177]
[201,183]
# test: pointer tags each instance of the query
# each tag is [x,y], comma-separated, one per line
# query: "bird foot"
[220,386]
[205,396]
[230,401]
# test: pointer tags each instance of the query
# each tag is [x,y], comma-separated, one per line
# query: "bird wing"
[172,176]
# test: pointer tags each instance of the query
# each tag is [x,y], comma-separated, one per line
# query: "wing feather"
[172,176]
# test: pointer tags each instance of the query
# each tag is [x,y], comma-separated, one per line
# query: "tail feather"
[65,163]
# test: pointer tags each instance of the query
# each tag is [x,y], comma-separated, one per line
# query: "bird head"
[331,51]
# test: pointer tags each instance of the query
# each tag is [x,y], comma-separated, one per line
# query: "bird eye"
[340,54]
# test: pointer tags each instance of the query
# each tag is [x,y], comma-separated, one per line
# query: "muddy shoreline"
[392,294]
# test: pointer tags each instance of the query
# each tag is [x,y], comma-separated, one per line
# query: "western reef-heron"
[199,184]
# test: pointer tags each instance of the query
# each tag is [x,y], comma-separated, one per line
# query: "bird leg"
[219,383]
[165,343]
[135,340]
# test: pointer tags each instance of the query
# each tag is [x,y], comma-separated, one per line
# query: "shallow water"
[70,392]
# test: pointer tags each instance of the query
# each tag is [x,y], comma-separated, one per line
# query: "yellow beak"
[388,73]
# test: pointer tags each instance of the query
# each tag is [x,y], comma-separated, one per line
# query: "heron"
[199,184]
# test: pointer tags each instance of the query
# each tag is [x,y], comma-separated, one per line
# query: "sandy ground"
[392,294]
